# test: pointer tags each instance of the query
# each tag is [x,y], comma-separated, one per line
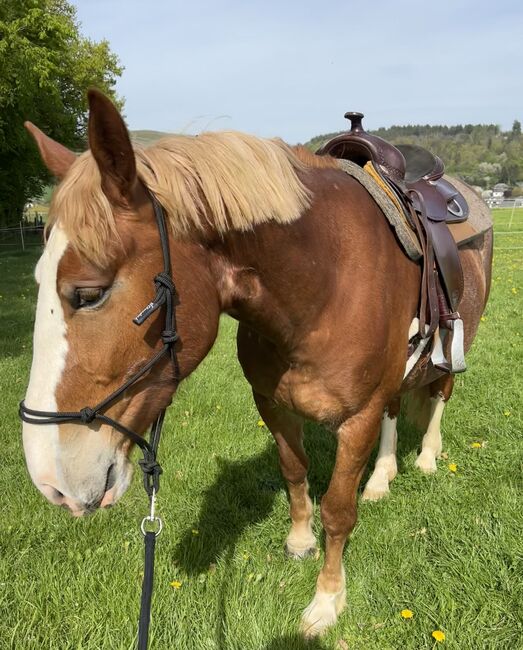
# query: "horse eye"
[88,296]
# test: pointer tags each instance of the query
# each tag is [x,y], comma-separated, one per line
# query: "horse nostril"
[111,478]
[51,493]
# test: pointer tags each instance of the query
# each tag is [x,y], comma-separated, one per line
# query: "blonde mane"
[223,181]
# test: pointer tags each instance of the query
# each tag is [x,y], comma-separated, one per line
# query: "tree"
[516,129]
[46,67]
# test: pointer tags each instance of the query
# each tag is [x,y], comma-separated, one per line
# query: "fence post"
[22,236]
[512,213]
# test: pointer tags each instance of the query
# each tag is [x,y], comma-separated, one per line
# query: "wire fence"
[21,237]
[508,225]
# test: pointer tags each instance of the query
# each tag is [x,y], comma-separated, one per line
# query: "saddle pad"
[388,205]
[478,222]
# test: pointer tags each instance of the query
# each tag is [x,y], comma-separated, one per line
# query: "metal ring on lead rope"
[150,520]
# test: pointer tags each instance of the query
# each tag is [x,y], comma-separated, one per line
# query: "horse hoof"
[426,462]
[376,489]
[374,494]
[322,613]
[299,553]
[300,543]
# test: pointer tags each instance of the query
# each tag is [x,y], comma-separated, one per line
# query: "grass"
[449,546]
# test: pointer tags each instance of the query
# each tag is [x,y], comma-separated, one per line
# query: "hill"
[144,138]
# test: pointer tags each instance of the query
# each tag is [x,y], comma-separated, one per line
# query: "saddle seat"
[420,163]
[414,176]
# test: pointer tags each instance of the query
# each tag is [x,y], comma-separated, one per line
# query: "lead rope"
[155,525]
[151,525]
[165,291]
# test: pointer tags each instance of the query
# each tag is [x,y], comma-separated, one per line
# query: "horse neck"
[198,311]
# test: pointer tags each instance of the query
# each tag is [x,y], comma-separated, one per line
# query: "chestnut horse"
[284,242]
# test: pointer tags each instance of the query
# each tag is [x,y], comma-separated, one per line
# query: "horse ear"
[111,146]
[55,156]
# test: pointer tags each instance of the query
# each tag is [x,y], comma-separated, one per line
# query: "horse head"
[95,275]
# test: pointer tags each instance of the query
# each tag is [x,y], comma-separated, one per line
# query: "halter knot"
[150,466]
[87,415]
[169,336]
[164,280]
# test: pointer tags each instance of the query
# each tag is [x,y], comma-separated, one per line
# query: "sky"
[292,68]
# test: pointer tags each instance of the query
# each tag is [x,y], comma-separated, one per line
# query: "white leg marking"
[386,466]
[323,610]
[431,445]
[301,541]
[49,353]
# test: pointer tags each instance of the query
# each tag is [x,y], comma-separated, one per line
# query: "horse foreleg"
[431,446]
[356,438]
[386,467]
[287,430]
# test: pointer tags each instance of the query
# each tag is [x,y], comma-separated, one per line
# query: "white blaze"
[49,354]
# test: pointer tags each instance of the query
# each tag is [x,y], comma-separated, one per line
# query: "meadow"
[447,547]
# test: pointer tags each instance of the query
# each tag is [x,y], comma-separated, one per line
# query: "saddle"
[414,179]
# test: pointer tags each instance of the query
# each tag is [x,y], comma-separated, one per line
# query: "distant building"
[499,190]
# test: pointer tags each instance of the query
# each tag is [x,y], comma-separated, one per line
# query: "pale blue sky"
[292,68]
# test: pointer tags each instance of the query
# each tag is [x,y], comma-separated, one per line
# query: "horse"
[281,240]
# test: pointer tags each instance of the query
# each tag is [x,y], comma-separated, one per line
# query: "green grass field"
[449,547]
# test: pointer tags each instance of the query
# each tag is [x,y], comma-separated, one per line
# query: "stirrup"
[457,352]
[457,347]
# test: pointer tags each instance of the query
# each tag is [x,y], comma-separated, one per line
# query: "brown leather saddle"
[415,177]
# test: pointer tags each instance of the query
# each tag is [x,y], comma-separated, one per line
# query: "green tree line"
[46,66]
[481,154]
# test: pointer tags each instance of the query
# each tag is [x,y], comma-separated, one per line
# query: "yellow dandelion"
[175,584]
[406,613]
[261,423]
[514,290]
[195,532]
[476,445]
[453,467]
[439,636]
[506,413]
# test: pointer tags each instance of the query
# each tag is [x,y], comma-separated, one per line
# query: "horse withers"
[283,241]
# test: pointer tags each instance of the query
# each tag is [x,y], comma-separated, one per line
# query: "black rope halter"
[165,295]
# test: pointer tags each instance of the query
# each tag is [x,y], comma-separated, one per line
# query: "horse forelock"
[81,208]
[223,181]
